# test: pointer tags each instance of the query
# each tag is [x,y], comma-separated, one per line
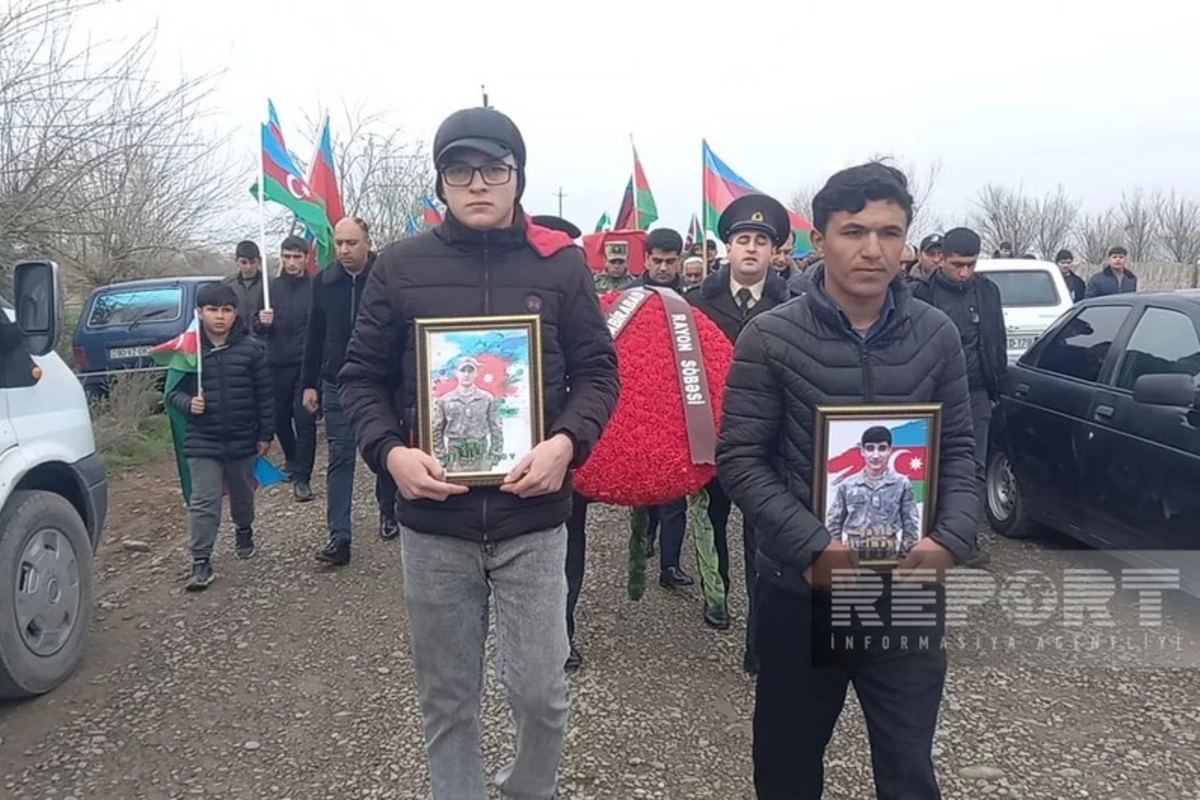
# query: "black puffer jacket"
[238,410]
[454,271]
[977,310]
[291,299]
[804,353]
[336,298]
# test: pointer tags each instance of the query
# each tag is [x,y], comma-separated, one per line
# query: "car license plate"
[1021,342]
[130,352]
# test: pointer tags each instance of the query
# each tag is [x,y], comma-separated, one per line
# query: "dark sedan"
[1097,434]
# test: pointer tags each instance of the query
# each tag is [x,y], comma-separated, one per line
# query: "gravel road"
[286,681]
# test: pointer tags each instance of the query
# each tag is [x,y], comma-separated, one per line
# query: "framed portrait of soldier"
[875,477]
[479,385]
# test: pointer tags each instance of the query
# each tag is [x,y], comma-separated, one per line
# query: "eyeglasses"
[460,175]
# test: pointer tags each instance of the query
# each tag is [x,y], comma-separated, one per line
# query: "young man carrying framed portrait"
[855,337]
[464,547]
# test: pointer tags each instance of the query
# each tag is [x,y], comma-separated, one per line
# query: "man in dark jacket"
[463,545]
[337,294]
[1075,284]
[1115,278]
[973,303]
[753,228]
[284,326]
[229,424]
[247,282]
[855,337]
[663,259]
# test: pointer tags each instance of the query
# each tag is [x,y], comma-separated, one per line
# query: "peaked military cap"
[755,212]
[557,224]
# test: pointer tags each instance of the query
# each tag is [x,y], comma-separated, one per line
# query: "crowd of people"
[866,318]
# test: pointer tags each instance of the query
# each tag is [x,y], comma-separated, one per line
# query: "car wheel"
[1005,507]
[45,592]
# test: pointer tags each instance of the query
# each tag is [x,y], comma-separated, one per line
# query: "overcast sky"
[1100,98]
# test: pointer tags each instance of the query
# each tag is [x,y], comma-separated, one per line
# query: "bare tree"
[1005,215]
[1097,233]
[801,200]
[100,167]
[1138,217]
[1053,217]
[383,175]
[1179,227]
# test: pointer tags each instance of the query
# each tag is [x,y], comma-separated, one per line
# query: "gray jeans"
[210,476]
[448,584]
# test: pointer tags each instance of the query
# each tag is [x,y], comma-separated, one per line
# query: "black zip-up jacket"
[291,299]
[977,310]
[716,301]
[238,406]
[455,271]
[1075,286]
[1104,283]
[336,298]
[804,354]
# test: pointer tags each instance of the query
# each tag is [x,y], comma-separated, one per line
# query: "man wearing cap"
[973,302]
[752,227]
[247,282]
[1075,284]
[929,258]
[615,275]
[467,433]
[468,549]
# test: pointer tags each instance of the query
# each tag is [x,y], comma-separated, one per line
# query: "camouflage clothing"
[607,283]
[467,433]
[871,513]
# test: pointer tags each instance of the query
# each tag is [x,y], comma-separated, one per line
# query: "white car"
[1034,295]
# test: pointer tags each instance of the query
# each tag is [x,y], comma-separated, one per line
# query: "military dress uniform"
[731,306]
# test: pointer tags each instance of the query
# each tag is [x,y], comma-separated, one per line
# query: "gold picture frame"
[881,515]
[480,403]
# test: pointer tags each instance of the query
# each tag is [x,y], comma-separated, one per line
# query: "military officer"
[753,227]
[467,433]
[616,268]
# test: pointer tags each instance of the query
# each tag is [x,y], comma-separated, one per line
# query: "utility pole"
[483,89]
[560,197]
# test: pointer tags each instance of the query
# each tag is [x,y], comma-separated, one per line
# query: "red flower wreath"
[643,457]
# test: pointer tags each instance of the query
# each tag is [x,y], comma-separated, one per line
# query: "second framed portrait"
[875,480]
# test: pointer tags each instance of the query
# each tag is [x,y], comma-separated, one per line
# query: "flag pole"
[200,351]
[703,194]
[262,226]
[636,221]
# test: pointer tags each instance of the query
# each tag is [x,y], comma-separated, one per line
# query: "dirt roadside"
[286,681]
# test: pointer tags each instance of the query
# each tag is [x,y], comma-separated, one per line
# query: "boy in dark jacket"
[230,423]
[283,327]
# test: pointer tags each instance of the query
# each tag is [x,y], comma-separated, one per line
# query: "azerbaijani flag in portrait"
[909,456]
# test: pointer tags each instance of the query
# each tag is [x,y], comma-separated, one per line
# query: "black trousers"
[801,688]
[671,519]
[295,428]
[719,509]
[576,555]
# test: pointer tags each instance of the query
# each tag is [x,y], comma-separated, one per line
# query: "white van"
[1034,295]
[53,492]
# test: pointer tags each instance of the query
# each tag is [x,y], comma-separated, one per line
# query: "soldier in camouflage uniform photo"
[467,433]
[875,511]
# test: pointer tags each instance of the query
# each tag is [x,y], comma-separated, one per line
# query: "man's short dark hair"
[217,295]
[248,250]
[294,243]
[664,239]
[851,189]
[1117,250]
[961,242]
[1064,255]
[877,434]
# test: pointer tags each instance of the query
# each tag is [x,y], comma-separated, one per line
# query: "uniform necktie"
[743,300]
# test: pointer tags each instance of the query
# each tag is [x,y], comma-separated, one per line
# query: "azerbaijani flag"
[909,457]
[638,209]
[273,121]
[181,357]
[322,180]
[430,213]
[694,234]
[722,186]
[412,227]
[604,223]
